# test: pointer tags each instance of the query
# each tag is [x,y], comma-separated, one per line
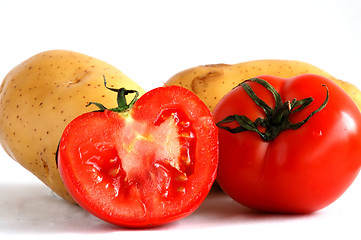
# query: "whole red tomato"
[288,145]
[144,164]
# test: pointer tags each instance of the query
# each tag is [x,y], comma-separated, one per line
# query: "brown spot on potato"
[45,167]
[201,82]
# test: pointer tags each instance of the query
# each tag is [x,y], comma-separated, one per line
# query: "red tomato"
[147,166]
[300,170]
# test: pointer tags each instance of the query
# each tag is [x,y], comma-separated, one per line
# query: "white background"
[152,40]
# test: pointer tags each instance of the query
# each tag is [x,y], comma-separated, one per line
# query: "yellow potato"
[40,96]
[212,82]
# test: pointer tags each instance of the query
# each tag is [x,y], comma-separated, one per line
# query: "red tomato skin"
[301,171]
[97,200]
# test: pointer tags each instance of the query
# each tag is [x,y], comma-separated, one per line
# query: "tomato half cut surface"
[150,165]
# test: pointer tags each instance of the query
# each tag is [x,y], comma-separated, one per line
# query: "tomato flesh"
[131,170]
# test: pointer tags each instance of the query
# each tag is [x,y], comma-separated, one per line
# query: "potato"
[40,96]
[212,82]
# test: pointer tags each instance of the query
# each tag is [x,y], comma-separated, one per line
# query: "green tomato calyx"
[277,118]
[121,100]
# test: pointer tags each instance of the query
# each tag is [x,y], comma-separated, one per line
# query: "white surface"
[152,40]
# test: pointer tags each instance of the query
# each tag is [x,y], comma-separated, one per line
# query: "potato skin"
[212,82]
[41,95]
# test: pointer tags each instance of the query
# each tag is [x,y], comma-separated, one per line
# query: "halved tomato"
[150,164]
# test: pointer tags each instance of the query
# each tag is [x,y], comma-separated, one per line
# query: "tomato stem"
[277,118]
[121,100]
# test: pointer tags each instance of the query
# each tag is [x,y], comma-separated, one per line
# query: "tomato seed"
[181,190]
[181,178]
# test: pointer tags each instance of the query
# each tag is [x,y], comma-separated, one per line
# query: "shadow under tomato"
[218,209]
[33,208]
